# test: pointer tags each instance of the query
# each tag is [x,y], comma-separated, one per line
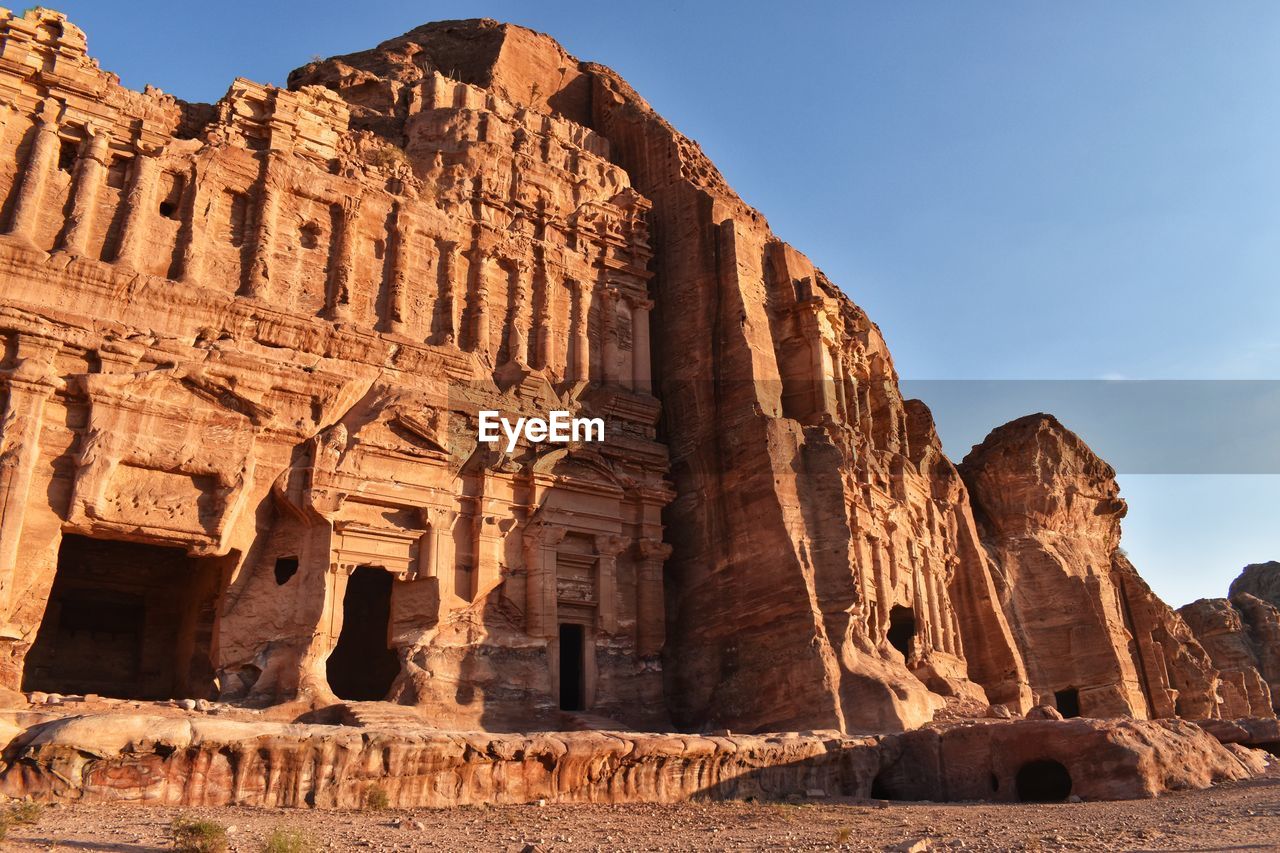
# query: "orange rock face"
[1096,640]
[246,350]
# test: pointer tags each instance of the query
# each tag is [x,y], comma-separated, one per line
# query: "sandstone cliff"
[1096,640]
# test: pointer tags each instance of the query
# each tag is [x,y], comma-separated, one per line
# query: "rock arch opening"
[1043,781]
[363,666]
[126,620]
[902,629]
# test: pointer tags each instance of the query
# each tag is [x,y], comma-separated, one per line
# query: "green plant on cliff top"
[192,835]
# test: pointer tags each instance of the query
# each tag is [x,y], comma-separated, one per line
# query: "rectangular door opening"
[125,620]
[572,668]
[1068,702]
[362,666]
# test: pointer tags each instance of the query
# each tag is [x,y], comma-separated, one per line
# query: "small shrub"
[283,840]
[191,835]
[4,826]
[376,799]
[24,813]
[844,835]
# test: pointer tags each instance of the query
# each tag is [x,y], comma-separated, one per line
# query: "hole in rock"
[881,789]
[902,629]
[1068,702]
[286,568]
[362,666]
[125,620]
[67,149]
[572,681]
[309,235]
[1043,781]
[171,188]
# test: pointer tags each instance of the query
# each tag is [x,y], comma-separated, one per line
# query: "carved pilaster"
[651,628]
[29,386]
[40,164]
[540,543]
[607,550]
[344,274]
[264,244]
[581,368]
[139,204]
[518,336]
[482,262]
[91,171]
[545,336]
[609,335]
[641,378]
[398,292]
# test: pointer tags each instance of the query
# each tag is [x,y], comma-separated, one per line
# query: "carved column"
[40,164]
[837,374]
[344,276]
[581,371]
[264,243]
[651,614]
[609,334]
[518,336]
[29,385]
[437,558]
[139,204]
[545,339]
[883,602]
[540,542]
[91,171]
[607,550]
[641,378]
[480,303]
[489,537]
[399,289]
[448,280]
[203,191]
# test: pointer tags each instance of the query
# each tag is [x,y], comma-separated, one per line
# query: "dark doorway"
[1043,781]
[572,675]
[362,667]
[1068,702]
[902,629]
[125,620]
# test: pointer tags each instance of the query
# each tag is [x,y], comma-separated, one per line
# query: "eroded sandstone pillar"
[91,171]
[609,335]
[439,556]
[545,334]
[40,164]
[448,281]
[480,303]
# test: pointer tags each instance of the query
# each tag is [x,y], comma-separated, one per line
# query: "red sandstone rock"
[1219,628]
[1096,641]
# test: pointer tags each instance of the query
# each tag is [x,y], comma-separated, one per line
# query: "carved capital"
[608,545]
[654,549]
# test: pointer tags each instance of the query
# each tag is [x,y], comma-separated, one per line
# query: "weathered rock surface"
[1097,642]
[1261,580]
[1221,630]
[193,762]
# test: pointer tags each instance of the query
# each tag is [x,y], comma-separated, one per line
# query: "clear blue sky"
[1012,190]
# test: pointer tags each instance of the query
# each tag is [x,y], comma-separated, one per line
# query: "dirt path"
[1243,816]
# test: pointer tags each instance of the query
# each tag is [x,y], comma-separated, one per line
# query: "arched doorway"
[362,667]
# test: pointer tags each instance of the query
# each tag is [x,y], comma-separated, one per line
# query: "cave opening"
[125,620]
[902,629]
[1067,701]
[572,668]
[1043,781]
[363,666]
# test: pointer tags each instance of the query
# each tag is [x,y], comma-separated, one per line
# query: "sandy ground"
[1241,816]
